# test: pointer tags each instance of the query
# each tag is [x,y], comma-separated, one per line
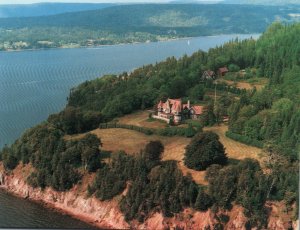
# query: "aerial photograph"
[150,114]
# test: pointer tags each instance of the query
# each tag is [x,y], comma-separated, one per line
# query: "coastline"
[51,207]
[120,44]
[107,215]
[94,46]
[96,213]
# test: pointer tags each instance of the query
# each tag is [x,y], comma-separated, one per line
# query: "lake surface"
[35,84]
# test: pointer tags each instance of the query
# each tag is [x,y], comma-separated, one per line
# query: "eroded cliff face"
[102,214]
[106,214]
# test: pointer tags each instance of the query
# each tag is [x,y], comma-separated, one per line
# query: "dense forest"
[270,116]
[139,23]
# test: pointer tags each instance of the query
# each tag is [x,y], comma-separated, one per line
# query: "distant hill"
[139,23]
[195,1]
[43,9]
[159,18]
[263,2]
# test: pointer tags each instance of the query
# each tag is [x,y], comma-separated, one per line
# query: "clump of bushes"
[205,149]
[244,139]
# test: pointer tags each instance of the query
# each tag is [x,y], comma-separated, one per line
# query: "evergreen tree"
[205,149]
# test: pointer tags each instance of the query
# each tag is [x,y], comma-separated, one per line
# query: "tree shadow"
[105,154]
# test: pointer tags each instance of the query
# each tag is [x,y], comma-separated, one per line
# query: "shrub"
[169,131]
[205,149]
[244,139]
[153,151]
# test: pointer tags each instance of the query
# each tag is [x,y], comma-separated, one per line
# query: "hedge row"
[144,130]
[244,139]
[169,131]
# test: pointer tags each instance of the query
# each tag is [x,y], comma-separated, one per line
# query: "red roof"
[160,104]
[198,109]
[223,70]
[176,104]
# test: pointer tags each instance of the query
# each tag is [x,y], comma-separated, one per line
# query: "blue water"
[20,213]
[34,84]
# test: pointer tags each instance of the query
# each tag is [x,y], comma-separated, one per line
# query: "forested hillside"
[270,115]
[139,23]
[273,114]
[263,2]
[42,9]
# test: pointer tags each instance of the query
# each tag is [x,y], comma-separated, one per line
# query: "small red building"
[222,71]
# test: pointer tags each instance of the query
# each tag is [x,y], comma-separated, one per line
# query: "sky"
[82,1]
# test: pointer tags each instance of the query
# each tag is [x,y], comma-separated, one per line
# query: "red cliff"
[106,214]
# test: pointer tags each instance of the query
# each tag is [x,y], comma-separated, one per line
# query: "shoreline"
[52,208]
[93,47]
[98,214]
[107,215]
[125,43]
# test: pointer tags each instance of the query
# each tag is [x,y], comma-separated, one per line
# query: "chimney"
[188,104]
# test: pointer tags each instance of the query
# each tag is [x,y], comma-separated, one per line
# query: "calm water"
[19,213]
[34,84]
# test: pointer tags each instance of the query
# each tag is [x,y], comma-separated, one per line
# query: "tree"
[233,68]
[208,117]
[203,201]
[9,160]
[153,151]
[197,93]
[205,149]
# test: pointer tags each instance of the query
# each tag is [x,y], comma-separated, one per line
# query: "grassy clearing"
[249,84]
[234,149]
[116,139]
[141,118]
[132,142]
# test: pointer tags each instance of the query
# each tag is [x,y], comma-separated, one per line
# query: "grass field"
[234,149]
[246,84]
[141,118]
[132,142]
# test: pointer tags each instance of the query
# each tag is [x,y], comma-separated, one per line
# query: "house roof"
[176,104]
[160,104]
[185,106]
[198,109]
[223,70]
